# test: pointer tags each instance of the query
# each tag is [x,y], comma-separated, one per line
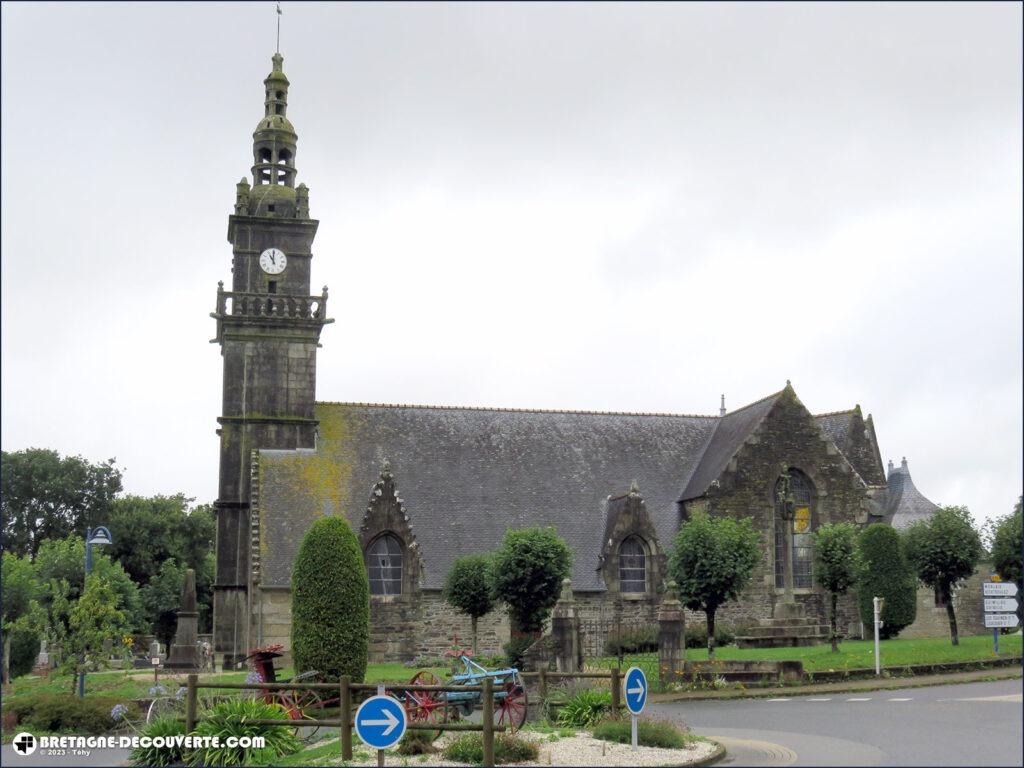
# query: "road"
[967,724]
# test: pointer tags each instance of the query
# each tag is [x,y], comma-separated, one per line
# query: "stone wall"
[933,621]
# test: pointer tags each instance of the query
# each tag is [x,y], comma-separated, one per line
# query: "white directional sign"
[997,604]
[993,620]
[998,589]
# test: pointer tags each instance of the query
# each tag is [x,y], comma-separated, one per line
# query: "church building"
[422,485]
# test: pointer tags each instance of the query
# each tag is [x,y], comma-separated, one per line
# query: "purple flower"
[157,690]
[253,677]
[180,693]
[119,712]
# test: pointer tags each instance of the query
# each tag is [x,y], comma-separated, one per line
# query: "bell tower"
[268,328]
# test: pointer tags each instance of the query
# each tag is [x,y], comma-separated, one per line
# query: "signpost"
[1000,599]
[380,723]
[878,603]
[634,686]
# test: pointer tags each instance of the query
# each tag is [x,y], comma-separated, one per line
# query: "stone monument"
[184,652]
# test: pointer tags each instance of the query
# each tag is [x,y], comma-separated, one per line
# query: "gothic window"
[799,528]
[384,565]
[632,565]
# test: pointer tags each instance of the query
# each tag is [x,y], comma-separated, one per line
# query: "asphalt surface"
[967,724]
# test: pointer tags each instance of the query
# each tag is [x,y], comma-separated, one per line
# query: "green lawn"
[853,654]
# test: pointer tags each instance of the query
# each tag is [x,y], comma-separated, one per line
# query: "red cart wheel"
[426,707]
[511,709]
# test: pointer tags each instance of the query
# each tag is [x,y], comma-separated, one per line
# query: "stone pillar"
[671,645]
[184,652]
[565,632]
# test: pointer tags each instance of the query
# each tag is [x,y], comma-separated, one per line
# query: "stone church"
[422,485]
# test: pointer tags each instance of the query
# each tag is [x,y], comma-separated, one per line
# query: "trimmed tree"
[330,602]
[712,561]
[883,571]
[468,590]
[527,572]
[22,614]
[835,566]
[944,550]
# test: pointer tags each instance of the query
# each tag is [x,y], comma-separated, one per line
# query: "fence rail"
[344,722]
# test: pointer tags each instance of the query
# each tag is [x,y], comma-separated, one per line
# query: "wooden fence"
[346,691]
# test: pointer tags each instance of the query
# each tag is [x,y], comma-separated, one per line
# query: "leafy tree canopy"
[467,588]
[1007,545]
[835,557]
[527,573]
[44,496]
[945,549]
[713,559]
[161,599]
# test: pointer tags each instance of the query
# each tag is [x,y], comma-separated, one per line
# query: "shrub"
[883,571]
[516,647]
[417,743]
[170,754]
[24,652]
[632,641]
[468,588]
[650,733]
[508,748]
[584,708]
[330,602]
[61,712]
[234,718]
[527,573]
[697,637]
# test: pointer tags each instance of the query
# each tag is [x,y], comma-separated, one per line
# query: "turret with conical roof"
[905,505]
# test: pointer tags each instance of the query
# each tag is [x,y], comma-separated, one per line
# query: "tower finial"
[278,48]
[721,410]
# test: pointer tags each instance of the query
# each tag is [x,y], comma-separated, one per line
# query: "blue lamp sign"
[634,686]
[381,721]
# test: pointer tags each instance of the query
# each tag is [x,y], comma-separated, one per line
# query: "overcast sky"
[611,207]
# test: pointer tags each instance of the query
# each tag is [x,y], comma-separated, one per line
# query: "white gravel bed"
[581,749]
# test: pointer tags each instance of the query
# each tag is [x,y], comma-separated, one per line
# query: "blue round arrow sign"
[381,721]
[634,687]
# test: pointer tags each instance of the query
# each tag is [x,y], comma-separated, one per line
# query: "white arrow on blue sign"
[634,685]
[381,721]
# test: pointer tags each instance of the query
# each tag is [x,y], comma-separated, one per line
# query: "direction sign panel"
[998,589]
[381,721]
[993,620]
[996,604]
[634,685]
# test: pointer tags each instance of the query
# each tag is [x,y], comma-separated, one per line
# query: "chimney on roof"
[891,465]
[721,409]
[904,464]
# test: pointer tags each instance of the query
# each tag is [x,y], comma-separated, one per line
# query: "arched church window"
[384,565]
[794,516]
[632,565]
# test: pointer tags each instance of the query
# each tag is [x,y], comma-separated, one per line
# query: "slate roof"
[467,474]
[836,426]
[905,504]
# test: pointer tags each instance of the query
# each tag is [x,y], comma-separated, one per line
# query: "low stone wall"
[968,602]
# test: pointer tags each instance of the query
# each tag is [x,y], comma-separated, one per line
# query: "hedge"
[884,572]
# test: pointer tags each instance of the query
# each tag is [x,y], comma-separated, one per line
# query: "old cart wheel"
[426,707]
[303,705]
[510,710]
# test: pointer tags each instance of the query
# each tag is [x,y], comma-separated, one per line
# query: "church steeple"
[273,141]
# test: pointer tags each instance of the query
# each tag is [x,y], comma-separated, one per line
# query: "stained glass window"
[632,566]
[801,530]
[384,566]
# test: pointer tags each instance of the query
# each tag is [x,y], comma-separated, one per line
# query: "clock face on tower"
[273,261]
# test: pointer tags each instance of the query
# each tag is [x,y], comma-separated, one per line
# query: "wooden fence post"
[488,722]
[616,690]
[190,705]
[346,718]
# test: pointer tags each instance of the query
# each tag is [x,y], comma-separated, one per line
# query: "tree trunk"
[947,593]
[711,633]
[835,621]
[7,660]
[472,620]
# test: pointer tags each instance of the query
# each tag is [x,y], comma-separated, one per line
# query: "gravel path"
[581,749]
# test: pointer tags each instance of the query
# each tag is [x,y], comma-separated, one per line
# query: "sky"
[626,207]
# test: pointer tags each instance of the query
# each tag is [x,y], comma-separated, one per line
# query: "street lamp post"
[98,536]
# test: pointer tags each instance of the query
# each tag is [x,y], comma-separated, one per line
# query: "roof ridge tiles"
[751,405]
[833,413]
[518,410]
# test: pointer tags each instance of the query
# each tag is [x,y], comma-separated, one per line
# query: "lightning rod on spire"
[278,49]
